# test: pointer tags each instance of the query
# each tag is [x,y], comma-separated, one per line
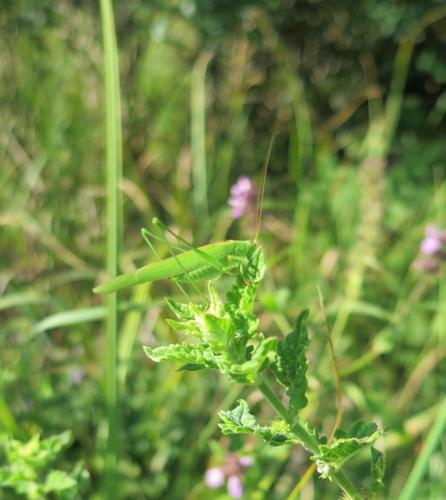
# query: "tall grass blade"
[400,71]
[21,299]
[130,326]
[432,442]
[113,140]
[198,135]
[85,315]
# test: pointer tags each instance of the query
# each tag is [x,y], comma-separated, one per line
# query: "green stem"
[307,439]
[432,442]
[309,442]
[113,160]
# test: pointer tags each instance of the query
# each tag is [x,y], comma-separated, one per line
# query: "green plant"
[29,470]
[226,338]
[113,164]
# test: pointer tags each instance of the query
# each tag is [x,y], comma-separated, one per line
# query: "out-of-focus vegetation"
[356,93]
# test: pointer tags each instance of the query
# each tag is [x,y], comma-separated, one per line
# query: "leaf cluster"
[241,421]
[29,469]
[344,445]
[226,337]
[225,333]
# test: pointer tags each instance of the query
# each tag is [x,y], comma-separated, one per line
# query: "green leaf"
[58,481]
[28,470]
[278,434]
[215,303]
[241,421]
[182,311]
[255,268]
[378,470]
[190,367]
[187,327]
[291,364]
[238,421]
[186,353]
[217,331]
[224,330]
[261,356]
[36,453]
[345,445]
[57,442]
[241,296]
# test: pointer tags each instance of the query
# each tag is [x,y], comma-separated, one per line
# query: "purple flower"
[245,461]
[243,197]
[215,477]
[232,469]
[76,375]
[432,250]
[433,241]
[235,487]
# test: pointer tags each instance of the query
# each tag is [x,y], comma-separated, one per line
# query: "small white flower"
[323,468]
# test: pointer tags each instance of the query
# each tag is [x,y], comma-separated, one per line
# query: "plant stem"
[113,153]
[308,441]
[431,444]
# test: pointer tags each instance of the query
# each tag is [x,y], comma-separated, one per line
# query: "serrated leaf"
[187,327]
[291,364]
[182,311]
[241,421]
[224,330]
[241,296]
[261,356]
[359,429]
[215,303]
[278,433]
[217,331]
[273,438]
[346,444]
[185,353]
[237,421]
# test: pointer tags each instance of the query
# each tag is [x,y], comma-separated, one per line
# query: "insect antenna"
[204,256]
[335,367]
[259,206]
[188,274]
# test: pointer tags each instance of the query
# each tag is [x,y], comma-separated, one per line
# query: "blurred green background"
[356,94]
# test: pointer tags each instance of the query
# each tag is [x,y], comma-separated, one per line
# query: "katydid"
[194,264]
[197,263]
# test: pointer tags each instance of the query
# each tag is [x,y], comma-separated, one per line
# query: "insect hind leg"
[202,273]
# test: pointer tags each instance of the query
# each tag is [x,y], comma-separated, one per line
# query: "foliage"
[223,330]
[241,421]
[317,73]
[345,445]
[226,332]
[291,365]
[29,470]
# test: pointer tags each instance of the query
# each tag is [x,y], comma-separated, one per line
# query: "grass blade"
[21,299]
[113,139]
[198,135]
[85,315]
[432,442]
